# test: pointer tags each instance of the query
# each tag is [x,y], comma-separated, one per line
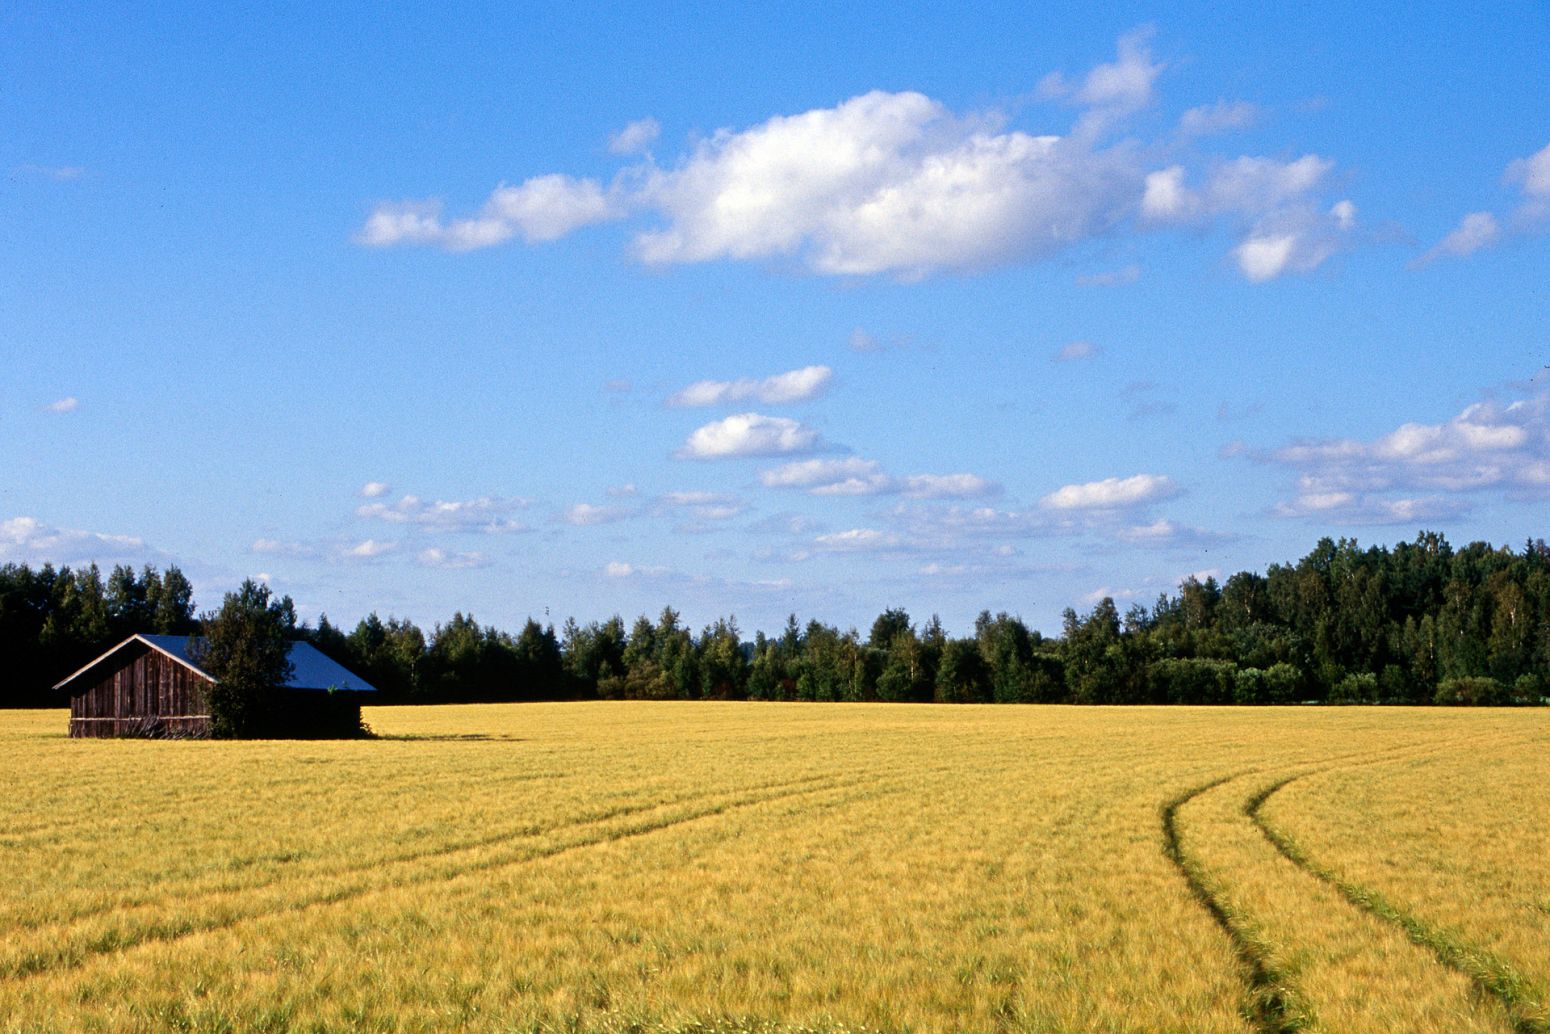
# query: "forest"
[1418,623]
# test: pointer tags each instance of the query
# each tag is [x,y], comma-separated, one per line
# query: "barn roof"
[311,668]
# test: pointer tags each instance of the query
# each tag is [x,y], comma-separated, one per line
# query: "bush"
[1283,683]
[1356,688]
[1473,691]
[1193,680]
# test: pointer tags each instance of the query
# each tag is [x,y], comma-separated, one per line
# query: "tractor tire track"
[193,894]
[1270,1005]
[113,942]
[1489,974]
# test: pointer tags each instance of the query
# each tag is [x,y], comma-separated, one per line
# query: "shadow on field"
[449,737]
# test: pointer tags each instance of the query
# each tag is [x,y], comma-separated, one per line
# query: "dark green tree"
[246,650]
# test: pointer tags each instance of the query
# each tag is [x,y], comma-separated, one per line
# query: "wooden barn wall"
[151,689]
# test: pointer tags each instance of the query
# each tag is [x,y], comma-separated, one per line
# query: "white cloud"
[64,405]
[28,540]
[485,514]
[850,475]
[1488,446]
[702,506]
[1218,117]
[898,184]
[1076,350]
[1475,231]
[635,138]
[375,489]
[586,514]
[618,569]
[543,208]
[749,434]
[621,491]
[1532,174]
[792,386]
[1169,534]
[1112,493]
[438,557]
[1282,226]
[370,549]
[860,540]
[854,476]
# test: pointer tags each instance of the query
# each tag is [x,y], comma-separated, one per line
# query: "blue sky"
[584,312]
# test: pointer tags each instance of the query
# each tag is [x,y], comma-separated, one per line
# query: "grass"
[780,867]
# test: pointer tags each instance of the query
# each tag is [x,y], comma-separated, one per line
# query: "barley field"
[786,867]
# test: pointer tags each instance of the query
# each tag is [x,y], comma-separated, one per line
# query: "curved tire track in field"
[66,958]
[1268,1006]
[193,894]
[1488,973]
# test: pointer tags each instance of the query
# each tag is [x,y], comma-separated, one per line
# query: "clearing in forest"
[640,866]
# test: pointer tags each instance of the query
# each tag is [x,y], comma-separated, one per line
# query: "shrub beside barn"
[154,686]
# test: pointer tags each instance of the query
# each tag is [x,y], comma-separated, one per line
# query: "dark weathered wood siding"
[140,694]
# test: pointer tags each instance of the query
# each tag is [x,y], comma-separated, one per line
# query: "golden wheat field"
[732,867]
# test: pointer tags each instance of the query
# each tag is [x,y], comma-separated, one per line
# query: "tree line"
[1419,623]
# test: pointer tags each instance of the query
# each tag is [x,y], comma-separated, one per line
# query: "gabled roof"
[311,669]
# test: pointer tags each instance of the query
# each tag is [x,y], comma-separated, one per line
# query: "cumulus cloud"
[1112,493]
[64,405]
[749,434]
[1479,230]
[635,137]
[1219,117]
[898,184]
[1076,350]
[28,540]
[485,514]
[1422,470]
[375,489]
[854,476]
[1275,205]
[543,208]
[370,549]
[792,386]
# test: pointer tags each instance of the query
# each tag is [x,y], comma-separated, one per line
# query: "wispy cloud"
[1219,117]
[792,386]
[1475,231]
[1076,350]
[589,514]
[487,514]
[543,208]
[64,405]
[29,540]
[1124,275]
[375,489]
[438,557]
[635,138]
[854,476]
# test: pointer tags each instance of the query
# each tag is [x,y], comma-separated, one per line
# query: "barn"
[153,686]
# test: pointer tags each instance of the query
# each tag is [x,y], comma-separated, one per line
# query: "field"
[709,867]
